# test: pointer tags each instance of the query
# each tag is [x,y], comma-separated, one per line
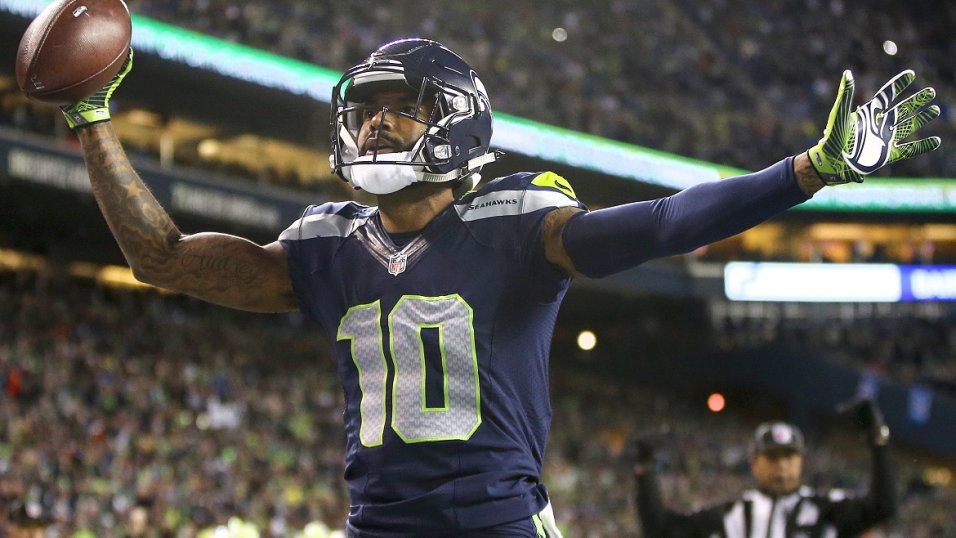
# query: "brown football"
[72,49]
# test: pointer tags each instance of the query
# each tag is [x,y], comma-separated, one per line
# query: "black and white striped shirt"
[805,513]
[798,515]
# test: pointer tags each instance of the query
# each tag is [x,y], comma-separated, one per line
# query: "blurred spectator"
[26,520]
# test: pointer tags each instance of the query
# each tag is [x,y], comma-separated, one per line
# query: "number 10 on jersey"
[412,419]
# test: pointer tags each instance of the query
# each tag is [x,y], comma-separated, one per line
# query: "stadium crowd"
[131,413]
[118,403]
[739,83]
[911,343]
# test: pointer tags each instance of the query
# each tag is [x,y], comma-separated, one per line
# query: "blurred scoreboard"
[838,283]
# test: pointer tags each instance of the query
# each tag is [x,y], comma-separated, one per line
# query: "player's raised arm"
[219,268]
[855,143]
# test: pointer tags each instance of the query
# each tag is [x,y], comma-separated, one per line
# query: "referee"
[779,506]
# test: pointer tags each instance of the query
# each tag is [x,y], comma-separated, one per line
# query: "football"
[72,49]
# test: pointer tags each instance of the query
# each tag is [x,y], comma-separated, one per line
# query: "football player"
[441,300]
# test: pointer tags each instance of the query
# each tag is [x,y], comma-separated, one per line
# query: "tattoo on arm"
[220,268]
[807,178]
[141,226]
[228,268]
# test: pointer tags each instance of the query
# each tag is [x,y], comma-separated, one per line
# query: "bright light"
[813,282]
[937,476]
[889,47]
[716,402]
[14,260]
[209,148]
[108,275]
[587,340]
[559,34]
[144,118]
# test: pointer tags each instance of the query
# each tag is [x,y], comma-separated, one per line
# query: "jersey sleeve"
[617,238]
[512,209]
[509,213]
[311,242]
[546,192]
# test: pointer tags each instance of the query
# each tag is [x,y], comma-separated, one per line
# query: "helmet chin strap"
[471,166]
[381,178]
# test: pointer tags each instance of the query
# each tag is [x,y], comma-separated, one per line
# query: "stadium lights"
[587,340]
[716,402]
[209,148]
[937,476]
[512,133]
[113,276]
[144,118]
[20,261]
[105,275]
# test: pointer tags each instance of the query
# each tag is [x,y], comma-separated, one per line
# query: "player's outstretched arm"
[855,143]
[613,239]
[219,268]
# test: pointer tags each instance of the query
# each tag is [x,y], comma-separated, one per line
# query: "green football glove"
[859,142]
[96,108]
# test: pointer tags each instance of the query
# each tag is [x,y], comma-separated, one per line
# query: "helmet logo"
[460,102]
[442,152]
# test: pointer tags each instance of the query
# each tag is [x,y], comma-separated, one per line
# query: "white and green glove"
[859,142]
[96,108]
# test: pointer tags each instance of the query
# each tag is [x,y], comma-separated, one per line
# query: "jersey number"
[412,419]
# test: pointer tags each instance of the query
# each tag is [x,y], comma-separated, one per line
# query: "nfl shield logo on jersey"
[396,264]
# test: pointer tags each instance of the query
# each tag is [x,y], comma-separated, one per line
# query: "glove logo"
[873,130]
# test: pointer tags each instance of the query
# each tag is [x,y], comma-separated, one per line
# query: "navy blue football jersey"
[442,344]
